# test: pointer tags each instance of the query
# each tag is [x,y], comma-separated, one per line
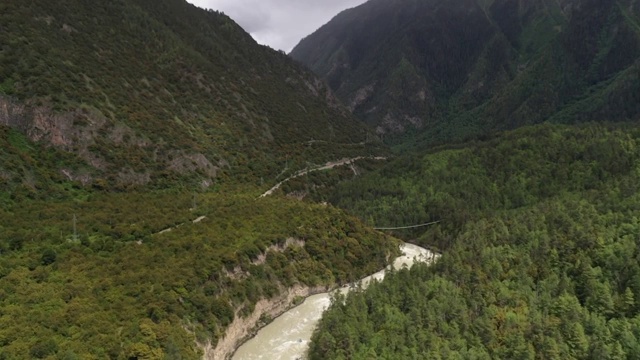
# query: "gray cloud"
[279,23]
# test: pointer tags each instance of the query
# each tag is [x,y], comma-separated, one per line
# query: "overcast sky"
[280,24]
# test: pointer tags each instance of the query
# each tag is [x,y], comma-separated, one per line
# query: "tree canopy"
[540,256]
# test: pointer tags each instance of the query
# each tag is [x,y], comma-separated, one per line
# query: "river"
[287,337]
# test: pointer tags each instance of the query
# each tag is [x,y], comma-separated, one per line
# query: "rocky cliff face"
[243,328]
[80,131]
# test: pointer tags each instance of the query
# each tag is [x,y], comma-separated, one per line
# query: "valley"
[169,188]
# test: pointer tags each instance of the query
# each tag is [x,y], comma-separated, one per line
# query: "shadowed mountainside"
[464,67]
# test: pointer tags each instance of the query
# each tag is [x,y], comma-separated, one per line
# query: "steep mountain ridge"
[464,67]
[152,92]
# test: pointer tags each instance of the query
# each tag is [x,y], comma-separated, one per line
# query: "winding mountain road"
[327,166]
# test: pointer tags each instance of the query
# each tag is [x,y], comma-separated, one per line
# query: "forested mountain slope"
[458,68]
[539,231]
[151,92]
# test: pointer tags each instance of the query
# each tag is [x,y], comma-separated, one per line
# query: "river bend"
[287,337]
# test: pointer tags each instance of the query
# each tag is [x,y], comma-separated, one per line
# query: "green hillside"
[441,70]
[157,92]
[97,278]
[539,230]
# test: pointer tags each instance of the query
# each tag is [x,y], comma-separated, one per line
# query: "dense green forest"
[540,259]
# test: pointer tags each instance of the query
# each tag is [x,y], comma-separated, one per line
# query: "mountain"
[159,92]
[464,67]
